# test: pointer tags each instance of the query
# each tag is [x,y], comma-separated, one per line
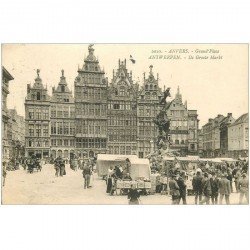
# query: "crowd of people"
[211,183]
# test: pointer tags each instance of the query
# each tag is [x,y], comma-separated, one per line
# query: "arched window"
[176,141]
[38,96]
[151,86]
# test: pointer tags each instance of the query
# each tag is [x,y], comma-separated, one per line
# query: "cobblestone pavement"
[44,188]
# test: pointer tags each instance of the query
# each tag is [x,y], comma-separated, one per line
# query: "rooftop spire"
[91,49]
[178,95]
[62,72]
[151,69]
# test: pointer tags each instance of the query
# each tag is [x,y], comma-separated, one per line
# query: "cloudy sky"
[212,86]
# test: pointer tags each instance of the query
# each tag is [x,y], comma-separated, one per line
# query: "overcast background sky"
[210,86]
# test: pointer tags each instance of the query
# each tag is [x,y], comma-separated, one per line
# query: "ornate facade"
[122,113]
[62,120]
[37,119]
[91,107]
[6,78]
[183,127]
[115,117]
[147,109]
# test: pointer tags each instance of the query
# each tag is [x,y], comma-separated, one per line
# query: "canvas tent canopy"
[140,169]
[105,161]
[227,159]
[168,158]
[189,158]
[214,160]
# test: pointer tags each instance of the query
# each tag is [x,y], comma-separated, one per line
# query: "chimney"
[229,114]
[210,120]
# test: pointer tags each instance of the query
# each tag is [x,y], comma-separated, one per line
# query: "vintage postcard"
[135,124]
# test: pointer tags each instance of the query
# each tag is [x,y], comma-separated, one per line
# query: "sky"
[210,86]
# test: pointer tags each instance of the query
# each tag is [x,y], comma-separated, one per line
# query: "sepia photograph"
[125,124]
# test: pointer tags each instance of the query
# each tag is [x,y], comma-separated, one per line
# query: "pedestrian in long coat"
[197,186]
[86,175]
[214,182]
[244,188]
[206,189]
[183,188]
[224,189]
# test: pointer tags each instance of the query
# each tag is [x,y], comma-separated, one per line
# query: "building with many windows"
[91,107]
[115,117]
[37,119]
[183,126]
[16,134]
[238,137]
[224,134]
[122,113]
[62,120]
[147,109]
[6,78]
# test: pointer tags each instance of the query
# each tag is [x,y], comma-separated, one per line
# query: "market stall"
[105,161]
[140,174]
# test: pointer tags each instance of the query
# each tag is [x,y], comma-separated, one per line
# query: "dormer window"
[63,88]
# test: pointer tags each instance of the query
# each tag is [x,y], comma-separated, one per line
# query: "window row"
[91,143]
[63,128]
[38,113]
[123,138]
[122,131]
[91,109]
[38,130]
[120,121]
[37,143]
[123,150]
[91,78]
[120,106]
[63,142]
[91,128]
[90,93]
[63,111]
[147,111]
[39,96]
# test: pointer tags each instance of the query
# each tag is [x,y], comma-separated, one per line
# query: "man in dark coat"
[224,189]
[86,175]
[206,189]
[57,164]
[197,186]
[183,187]
[214,182]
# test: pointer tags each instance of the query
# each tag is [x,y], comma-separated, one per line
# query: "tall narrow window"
[38,96]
